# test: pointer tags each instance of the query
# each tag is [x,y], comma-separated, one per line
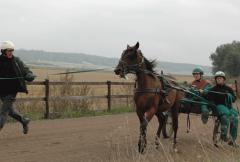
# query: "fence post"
[46,83]
[109,98]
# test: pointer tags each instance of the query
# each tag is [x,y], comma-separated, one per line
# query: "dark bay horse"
[150,97]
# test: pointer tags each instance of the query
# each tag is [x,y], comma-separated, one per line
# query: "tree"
[227,58]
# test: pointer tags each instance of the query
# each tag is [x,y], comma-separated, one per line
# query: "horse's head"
[130,61]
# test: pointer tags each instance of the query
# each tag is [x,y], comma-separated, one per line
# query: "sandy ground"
[107,138]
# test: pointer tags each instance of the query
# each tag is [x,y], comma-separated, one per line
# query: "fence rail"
[47,98]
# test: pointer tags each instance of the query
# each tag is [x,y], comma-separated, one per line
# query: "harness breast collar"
[150,90]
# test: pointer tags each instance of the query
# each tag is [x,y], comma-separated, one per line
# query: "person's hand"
[30,77]
[193,86]
[201,91]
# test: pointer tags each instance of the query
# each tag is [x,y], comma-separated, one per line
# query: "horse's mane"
[150,65]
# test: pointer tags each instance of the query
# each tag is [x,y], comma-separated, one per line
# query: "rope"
[185,100]
[189,92]
[80,71]
[13,78]
[222,93]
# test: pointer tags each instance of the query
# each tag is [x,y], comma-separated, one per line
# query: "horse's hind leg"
[161,120]
[175,113]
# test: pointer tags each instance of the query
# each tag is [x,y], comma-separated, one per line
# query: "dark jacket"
[220,98]
[14,68]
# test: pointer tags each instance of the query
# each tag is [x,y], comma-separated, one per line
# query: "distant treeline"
[227,58]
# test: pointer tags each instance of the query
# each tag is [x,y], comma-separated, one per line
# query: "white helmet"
[7,45]
[220,74]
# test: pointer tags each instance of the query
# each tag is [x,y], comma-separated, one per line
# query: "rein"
[13,78]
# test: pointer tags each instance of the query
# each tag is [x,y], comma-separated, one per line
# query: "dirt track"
[107,138]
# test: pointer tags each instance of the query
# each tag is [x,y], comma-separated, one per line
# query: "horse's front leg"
[144,119]
[142,143]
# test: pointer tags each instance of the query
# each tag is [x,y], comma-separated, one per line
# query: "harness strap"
[150,90]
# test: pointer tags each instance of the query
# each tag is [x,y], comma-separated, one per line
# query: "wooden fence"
[109,96]
[47,98]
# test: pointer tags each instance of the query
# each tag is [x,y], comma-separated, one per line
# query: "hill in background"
[84,61]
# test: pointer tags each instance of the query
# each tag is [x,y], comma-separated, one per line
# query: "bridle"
[134,68]
[139,68]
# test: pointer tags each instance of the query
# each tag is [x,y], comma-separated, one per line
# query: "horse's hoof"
[216,145]
[175,147]
[141,148]
[175,150]
[157,143]
[142,151]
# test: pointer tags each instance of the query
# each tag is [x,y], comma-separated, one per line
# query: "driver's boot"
[25,123]
[204,114]
[233,144]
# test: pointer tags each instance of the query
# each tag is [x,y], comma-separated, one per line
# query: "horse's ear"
[136,46]
[128,47]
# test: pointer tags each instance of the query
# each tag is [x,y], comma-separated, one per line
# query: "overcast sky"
[169,30]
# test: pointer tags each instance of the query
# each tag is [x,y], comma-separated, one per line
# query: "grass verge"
[77,114]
